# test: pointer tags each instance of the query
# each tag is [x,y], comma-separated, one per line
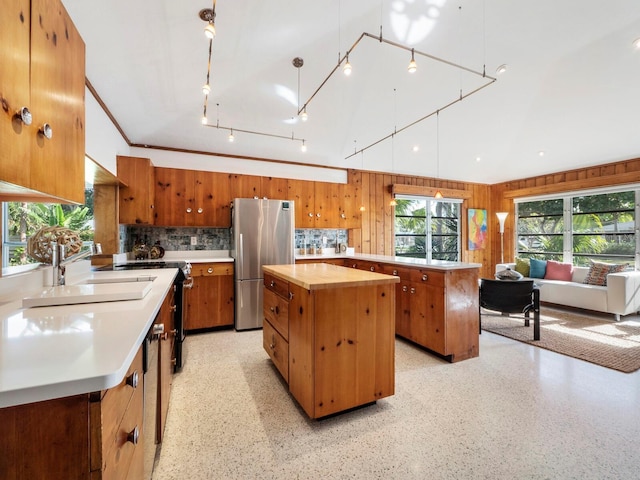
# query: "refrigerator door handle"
[240,258]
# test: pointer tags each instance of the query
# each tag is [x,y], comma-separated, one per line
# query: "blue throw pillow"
[538,268]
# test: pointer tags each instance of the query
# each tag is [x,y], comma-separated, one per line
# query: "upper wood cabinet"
[136,199]
[324,204]
[275,188]
[42,66]
[302,193]
[191,198]
[245,186]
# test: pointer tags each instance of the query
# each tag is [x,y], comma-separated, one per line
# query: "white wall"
[104,143]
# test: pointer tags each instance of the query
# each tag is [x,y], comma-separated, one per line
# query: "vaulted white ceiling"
[571,89]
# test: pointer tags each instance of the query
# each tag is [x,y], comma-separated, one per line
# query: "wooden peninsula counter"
[330,331]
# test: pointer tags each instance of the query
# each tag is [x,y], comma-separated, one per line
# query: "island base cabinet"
[341,347]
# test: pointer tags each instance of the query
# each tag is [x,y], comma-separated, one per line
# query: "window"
[578,228]
[422,222]
[21,220]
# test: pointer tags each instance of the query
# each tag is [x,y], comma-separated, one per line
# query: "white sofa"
[621,296]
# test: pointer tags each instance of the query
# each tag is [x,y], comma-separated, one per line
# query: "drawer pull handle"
[173,308]
[46,131]
[318,214]
[174,361]
[25,116]
[290,295]
[189,210]
[425,277]
[132,380]
[395,272]
[200,210]
[404,288]
[174,332]
[273,309]
[310,214]
[134,436]
[373,269]
[272,284]
[413,290]
[209,270]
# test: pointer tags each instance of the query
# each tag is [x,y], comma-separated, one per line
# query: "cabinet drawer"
[211,269]
[276,311]
[364,265]
[403,272]
[116,399]
[277,348]
[120,448]
[429,277]
[277,285]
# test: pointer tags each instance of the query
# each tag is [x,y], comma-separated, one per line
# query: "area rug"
[599,340]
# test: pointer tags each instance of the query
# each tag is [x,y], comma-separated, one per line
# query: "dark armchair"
[512,297]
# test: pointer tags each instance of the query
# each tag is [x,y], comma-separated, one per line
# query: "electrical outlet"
[194,240]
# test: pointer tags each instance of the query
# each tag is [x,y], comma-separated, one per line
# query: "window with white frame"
[427,228]
[20,220]
[580,227]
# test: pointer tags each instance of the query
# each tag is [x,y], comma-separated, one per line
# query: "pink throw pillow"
[558,271]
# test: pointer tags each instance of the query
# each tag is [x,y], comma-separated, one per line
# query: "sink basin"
[89,293]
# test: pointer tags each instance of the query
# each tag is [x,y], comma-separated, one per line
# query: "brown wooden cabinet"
[209,303]
[191,198]
[88,436]
[333,346]
[136,200]
[437,309]
[42,65]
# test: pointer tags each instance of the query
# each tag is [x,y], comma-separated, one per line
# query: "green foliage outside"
[602,228]
[24,219]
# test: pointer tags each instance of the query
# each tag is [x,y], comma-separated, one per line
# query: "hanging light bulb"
[206,89]
[231,137]
[303,147]
[393,202]
[347,67]
[204,120]
[438,194]
[412,64]
[303,115]
[210,30]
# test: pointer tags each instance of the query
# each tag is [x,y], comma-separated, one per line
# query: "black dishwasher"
[150,360]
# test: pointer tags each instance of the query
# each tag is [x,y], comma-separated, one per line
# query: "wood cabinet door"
[15,138]
[275,188]
[327,205]
[349,207]
[136,199]
[303,194]
[210,302]
[170,196]
[434,322]
[222,200]
[403,310]
[57,99]
[246,186]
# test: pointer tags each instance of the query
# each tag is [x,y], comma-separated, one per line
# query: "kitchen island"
[330,332]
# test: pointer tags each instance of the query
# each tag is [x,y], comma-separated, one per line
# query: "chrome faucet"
[59,262]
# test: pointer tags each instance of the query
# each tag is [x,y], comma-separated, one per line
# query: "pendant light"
[303,148]
[347,66]
[231,137]
[412,64]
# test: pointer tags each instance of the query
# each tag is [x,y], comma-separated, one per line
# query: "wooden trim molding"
[401,189]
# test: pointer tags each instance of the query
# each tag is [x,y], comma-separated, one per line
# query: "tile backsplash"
[179,238]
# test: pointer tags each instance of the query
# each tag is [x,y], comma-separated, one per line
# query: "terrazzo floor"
[515,412]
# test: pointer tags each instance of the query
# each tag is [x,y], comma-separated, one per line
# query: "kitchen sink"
[139,278]
[90,293]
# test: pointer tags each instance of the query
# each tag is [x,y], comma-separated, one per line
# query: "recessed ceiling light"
[636,43]
[415,148]
[478,159]
[501,69]
[541,153]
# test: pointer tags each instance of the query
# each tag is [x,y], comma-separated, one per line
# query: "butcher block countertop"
[319,276]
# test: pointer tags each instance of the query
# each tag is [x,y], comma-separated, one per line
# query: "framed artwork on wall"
[477,228]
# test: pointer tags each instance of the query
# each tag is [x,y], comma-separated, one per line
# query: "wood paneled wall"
[376,235]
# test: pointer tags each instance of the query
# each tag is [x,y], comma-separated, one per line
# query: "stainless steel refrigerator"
[263,234]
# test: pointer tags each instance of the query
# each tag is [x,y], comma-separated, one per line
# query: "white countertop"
[400,261]
[191,256]
[53,352]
